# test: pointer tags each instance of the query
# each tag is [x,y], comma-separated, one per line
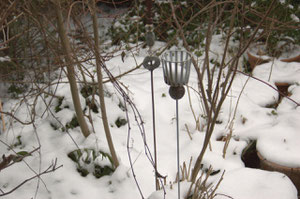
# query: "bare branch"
[53,167]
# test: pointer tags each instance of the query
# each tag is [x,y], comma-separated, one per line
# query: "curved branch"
[266,83]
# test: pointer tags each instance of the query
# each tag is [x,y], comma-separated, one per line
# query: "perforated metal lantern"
[176,67]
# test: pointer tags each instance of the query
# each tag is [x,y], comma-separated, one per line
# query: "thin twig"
[53,167]
[2,117]
[188,131]
[266,83]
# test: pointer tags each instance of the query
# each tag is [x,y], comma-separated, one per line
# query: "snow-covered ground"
[276,132]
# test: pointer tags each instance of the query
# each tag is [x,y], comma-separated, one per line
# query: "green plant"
[73,123]
[54,126]
[88,90]
[122,106]
[281,24]
[59,103]
[281,29]
[120,122]
[18,141]
[16,89]
[273,112]
[91,161]
[130,28]
[9,70]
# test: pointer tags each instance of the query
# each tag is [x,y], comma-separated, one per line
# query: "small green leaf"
[23,153]
[274,112]
[120,122]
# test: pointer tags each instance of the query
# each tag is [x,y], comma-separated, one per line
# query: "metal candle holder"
[176,68]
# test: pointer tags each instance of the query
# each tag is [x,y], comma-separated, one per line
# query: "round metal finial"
[176,92]
[151,62]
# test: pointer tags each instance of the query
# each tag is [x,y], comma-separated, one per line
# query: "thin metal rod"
[178,161]
[149,14]
[154,133]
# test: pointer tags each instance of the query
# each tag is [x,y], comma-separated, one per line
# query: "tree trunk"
[99,62]
[70,70]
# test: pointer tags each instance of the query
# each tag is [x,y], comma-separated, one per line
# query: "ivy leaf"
[23,153]
[20,156]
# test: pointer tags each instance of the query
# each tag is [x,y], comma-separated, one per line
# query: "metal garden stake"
[151,63]
[176,68]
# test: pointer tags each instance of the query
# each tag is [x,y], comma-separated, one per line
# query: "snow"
[294,18]
[282,1]
[6,58]
[245,108]
[254,183]
[278,71]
